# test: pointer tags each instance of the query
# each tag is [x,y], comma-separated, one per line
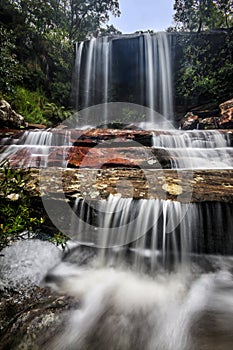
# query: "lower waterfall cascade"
[147,211]
[148,273]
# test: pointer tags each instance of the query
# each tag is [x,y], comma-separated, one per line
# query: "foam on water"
[196,149]
[154,292]
[124,310]
[35,148]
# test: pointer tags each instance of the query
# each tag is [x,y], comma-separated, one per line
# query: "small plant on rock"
[16,210]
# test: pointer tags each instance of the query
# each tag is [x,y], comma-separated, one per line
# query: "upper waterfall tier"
[174,149]
[125,68]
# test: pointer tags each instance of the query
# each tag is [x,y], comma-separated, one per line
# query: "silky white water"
[209,149]
[120,309]
[191,139]
[37,148]
[96,80]
[139,279]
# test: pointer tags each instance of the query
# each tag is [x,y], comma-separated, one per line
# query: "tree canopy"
[198,15]
[37,41]
[37,47]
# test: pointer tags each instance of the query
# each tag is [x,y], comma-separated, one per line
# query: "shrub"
[16,210]
[35,107]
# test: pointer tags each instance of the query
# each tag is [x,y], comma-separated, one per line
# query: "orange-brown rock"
[226,120]
[100,157]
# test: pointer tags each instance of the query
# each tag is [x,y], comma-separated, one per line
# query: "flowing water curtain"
[92,72]
[153,233]
[129,68]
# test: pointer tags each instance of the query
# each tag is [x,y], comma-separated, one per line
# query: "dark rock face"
[205,120]
[9,118]
[30,317]
[209,123]
[190,121]
[28,313]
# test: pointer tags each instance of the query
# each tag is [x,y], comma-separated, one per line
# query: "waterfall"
[153,233]
[78,61]
[90,70]
[191,139]
[37,148]
[144,72]
[188,309]
[158,74]
[195,149]
[147,273]
[172,149]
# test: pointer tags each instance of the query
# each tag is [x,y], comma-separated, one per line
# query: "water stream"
[149,274]
[103,66]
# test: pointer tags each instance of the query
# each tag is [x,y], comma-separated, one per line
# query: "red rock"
[99,157]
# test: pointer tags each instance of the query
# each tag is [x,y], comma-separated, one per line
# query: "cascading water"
[158,74]
[196,149]
[101,61]
[37,148]
[148,272]
[128,299]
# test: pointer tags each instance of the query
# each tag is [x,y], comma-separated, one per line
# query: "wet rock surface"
[210,119]
[30,316]
[25,263]
[184,185]
[29,313]
[9,118]
[226,120]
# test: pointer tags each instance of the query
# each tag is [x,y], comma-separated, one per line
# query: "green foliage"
[204,72]
[16,210]
[55,113]
[44,33]
[197,15]
[85,18]
[59,239]
[10,70]
[36,108]
[29,104]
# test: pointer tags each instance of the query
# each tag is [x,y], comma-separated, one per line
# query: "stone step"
[93,137]
[184,186]
[111,157]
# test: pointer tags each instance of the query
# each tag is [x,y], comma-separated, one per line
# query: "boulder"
[25,263]
[190,121]
[9,118]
